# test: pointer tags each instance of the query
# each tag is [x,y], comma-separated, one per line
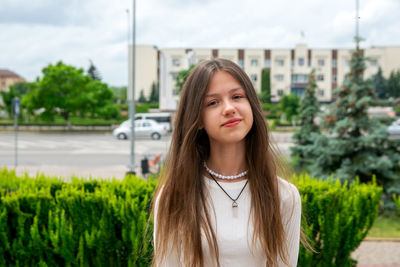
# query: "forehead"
[221,81]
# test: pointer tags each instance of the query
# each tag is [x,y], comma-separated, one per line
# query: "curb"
[381,239]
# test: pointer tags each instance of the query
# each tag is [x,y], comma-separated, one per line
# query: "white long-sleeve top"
[234,233]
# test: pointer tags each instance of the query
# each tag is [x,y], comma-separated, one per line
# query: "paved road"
[99,155]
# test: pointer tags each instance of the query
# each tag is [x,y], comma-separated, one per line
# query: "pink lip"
[232,123]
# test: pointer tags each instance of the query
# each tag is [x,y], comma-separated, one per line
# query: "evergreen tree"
[357,146]
[93,72]
[142,98]
[154,95]
[379,84]
[304,137]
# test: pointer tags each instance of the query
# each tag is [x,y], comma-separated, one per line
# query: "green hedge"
[336,219]
[47,222]
[397,201]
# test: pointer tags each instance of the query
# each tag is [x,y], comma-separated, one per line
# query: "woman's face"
[226,112]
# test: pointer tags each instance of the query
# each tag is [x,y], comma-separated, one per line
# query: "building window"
[254,62]
[267,63]
[280,92]
[301,61]
[309,62]
[174,75]
[334,62]
[175,92]
[279,77]
[299,78]
[292,63]
[253,78]
[320,77]
[280,62]
[321,93]
[176,62]
[346,62]
[241,63]
[321,62]
[374,62]
[334,78]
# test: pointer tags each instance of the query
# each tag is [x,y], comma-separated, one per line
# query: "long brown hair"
[182,213]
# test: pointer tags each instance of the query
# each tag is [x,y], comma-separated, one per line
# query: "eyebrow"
[230,91]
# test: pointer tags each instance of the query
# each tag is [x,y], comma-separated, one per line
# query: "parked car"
[394,129]
[162,118]
[143,128]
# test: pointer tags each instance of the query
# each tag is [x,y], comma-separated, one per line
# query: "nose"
[229,108]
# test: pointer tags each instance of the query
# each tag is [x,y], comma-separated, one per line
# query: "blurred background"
[327,74]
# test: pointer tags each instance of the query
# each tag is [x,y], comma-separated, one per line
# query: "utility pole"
[357,33]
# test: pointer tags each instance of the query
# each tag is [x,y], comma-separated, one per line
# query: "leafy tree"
[379,84]
[93,72]
[119,94]
[357,146]
[393,84]
[265,95]
[142,98]
[289,105]
[66,90]
[304,137]
[181,78]
[99,100]
[154,94]
[16,90]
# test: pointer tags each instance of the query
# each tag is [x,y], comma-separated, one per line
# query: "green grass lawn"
[385,227]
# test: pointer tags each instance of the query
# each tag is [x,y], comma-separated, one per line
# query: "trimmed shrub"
[336,218]
[47,222]
[397,201]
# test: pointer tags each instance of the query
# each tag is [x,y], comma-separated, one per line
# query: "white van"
[162,118]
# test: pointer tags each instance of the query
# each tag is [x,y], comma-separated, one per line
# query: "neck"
[227,160]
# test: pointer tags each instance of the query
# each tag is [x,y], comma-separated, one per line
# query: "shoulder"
[289,194]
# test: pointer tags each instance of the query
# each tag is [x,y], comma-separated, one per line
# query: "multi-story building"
[146,69]
[289,68]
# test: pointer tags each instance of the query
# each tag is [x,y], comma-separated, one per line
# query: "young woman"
[219,201]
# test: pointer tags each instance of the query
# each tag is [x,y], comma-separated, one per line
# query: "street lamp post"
[131,165]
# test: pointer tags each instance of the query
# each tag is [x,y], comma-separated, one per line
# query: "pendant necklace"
[234,203]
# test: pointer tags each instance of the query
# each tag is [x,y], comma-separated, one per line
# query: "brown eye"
[212,103]
[237,96]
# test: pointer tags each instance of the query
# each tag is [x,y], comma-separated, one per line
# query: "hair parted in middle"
[182,213]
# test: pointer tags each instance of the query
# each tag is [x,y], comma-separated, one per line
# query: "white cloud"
[39,32]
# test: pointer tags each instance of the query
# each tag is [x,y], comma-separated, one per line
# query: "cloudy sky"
[36,33]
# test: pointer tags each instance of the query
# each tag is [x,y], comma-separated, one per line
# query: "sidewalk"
[373,253]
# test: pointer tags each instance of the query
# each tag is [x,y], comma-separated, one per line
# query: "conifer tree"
[380,84]
[304,137]
[142,98]
[93,72]
[356,145]
[154,95]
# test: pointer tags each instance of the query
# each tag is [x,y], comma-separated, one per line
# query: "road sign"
[15,106]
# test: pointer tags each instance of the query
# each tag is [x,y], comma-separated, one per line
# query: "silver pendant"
[234,209]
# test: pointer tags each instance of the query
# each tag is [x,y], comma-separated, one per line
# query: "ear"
[201,126]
